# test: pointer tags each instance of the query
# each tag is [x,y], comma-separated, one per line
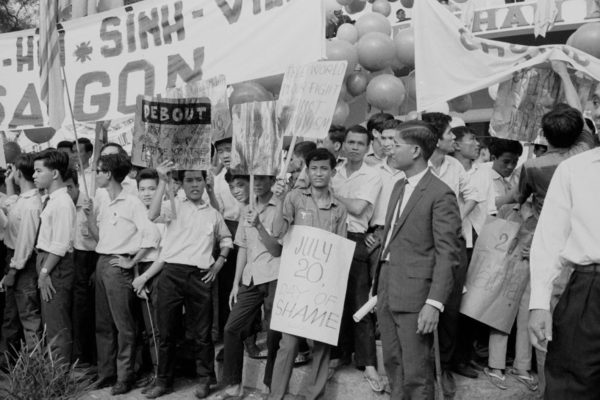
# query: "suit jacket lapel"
[394,199]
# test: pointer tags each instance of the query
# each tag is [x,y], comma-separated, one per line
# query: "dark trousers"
[84,324]
[150,316]
[56,313]
[358,336]
[22,313]
[115,322]
[182,286]
[240,325]
[573,359]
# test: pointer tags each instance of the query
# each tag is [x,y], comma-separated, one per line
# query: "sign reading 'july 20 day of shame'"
[172,129]
[311,289]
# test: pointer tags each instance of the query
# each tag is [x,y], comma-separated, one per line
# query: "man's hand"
[372,241]
[428,319]
[540,329]
[122,262]
[233,296]
[87,205]
[139,283]
[9,279]
[210,182]
[164,169]
[9,175]
[280,188]
[559,66]
[212,272]
[45,286]
[252,218]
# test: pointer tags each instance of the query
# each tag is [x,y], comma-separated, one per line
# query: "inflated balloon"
[462,104]
[407,3]
[375,51]
[493,91]
[11,151]
[386,93]
[338,50]
[248,92]
[373,22]
[405,46]
[382,7]
[40,135]
[347,32]
[356,6]
[341,113]
[345,2]
[587,38]
[385,71]
[356,83]
[410,85]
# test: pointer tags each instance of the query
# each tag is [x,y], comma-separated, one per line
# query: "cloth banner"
[256,140]
[147,47]
[497,276]
[309,300]
[308,97]
[172,129]
[451,62]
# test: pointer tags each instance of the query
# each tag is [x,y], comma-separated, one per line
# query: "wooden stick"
[288,157]
[438,363]
[252,196]
[171,196]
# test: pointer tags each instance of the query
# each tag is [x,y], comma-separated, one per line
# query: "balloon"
[248,92]
[407,3]
[40,135]
[331,6]
[587,38]
[11,152]
[440,107]
[405,46]
[341,113]
[356,83]
[462,104]
[345,2]
[375,51]
[347,32]
[373,22]
[382,7]
[386,92]
[412,116]
[341,50]
[410,85]
[356,6]
[493,91]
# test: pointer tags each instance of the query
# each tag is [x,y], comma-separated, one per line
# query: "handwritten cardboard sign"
[256,140]
[311,289]
[309,94]
[497,276]
[172,129]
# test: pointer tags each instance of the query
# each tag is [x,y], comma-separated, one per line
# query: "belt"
[355,235]
[587,268]
[116,255]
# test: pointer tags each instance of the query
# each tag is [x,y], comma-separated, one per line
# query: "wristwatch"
[44,271]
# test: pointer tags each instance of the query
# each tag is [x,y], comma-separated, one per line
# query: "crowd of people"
[143,275]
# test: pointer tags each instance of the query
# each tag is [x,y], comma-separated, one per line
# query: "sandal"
[302,358]
[226,396]
[495,379]
[374,383]
[529,381]
[259,354]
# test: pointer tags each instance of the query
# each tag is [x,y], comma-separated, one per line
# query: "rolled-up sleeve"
[222,233]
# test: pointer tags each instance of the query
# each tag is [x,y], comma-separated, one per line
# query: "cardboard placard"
[309,300]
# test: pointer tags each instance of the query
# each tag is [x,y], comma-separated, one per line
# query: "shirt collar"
[333,201]
[198,206]
[389,169]
[362,170]
[414,180]
[58,192]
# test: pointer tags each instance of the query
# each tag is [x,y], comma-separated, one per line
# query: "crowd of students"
[152,269]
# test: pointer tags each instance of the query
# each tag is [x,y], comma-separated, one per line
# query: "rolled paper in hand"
[365,309]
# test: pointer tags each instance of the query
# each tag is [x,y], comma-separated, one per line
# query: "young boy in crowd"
[188,275]
[22,315]
[376,155]
[125,234]
[255,280]
[54,247]
[334,140]
[505,156]
[297,166]
[301,207]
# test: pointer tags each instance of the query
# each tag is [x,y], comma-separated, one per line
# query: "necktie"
[37,235]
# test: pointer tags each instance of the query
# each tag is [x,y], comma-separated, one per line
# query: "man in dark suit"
[420,251]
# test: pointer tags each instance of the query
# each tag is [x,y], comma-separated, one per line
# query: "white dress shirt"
[57,231]
[21,229]
[389,176]
[84,241]
[568,229]
[480,178]
[230,207]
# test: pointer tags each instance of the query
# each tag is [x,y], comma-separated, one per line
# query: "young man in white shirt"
[376,154]
[55,247]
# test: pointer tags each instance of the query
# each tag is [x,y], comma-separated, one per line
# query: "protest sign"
[472,63]
[308,97]
[147,47]
[172,129]
[256,144]
[214,89]
[497,276]
[309,300]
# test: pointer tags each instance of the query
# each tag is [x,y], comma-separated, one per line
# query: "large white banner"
[450,61]
[149,46]
[309,300]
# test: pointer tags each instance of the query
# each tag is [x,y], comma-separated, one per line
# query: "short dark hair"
[376,121]
[88,146]
[391,124]
[321,155]
[181,174]
[360,129]
[499,146]
[223,141]
[562,126]
[303,149]
[67,144]
[439,121]
[72,175]
[461,131]
[420,133]
[54,159]
[118,165]
[229,177]
[337,134]
[147,173]
[24,164]
[113,144]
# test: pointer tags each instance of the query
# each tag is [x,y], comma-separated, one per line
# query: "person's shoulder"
[454,163]
[583,158]
[438,186]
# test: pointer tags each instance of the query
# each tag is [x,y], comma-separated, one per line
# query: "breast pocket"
[305,217]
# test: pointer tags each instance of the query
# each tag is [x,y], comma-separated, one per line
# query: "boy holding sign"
[314,206]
